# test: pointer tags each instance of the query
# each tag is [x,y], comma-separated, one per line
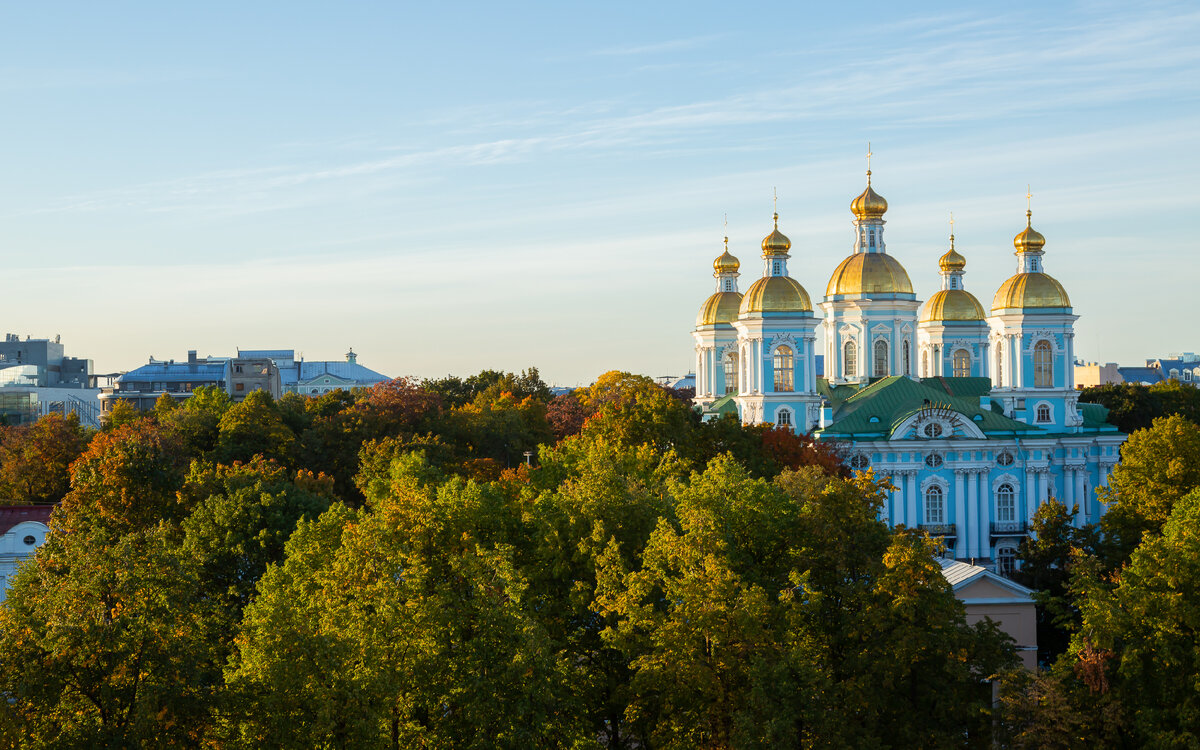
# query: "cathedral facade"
[972,415]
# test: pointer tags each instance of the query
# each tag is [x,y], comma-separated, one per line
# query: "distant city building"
[317,377]
[24,529]
[1089,374]
[37,378]
[276,371]
[1182,366]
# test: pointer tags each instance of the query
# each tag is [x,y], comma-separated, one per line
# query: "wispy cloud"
[658,48]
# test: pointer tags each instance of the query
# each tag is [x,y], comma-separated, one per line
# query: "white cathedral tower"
[952,336]
[870,309]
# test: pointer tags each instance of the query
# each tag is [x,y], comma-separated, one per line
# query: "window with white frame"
[935,505]
[881,358]
[925,364]
[962,363]
[784,371]
[850,361]
[907,358]
[1006,503]
[783,418]
[1043,365]
[1042,415]
[731,373]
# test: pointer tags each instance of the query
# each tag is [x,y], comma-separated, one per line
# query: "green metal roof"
[876,410]
[723,405]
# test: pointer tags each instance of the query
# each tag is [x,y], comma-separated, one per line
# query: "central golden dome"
[775,294]
[869,204]
[721,307]
[952,304]
[1030,290]
[869,273]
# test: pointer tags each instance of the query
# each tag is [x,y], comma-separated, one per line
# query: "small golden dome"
[952,304]
[776,243]
[775,294]
[721,307]
[952,261]
[726,263]
[1029,240]
[1030,290]
[869,204]
[869,273]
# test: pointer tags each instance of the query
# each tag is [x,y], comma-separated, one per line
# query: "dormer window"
[778,268]
[871,238]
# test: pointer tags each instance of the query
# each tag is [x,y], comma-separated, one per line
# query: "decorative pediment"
[937,422]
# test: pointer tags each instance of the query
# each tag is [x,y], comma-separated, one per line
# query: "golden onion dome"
[721,307]
[1030,290]
[952,304]
[726,263]
[952,261]
[869,204]
[775,294]
[776,243]
[869,273]
[1029,240]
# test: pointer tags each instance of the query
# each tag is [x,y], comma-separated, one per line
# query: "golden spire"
[726,263]
[775,204]
[776,243]
[869,164]
[951,230]
[1029,240]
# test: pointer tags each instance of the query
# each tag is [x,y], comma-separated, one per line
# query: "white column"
[960,516]
[1080,493]
[898,499]
[911,497]
[1031,498]
[973,520]
[985,515]
[1069,489]
[1070,369]
[1018,364]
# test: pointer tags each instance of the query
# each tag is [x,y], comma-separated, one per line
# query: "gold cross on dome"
[951,222]
[1028,199]
[869,155]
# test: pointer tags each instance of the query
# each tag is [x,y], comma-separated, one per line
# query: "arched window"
[935,507]
[1043,414]
[1006,503]
[881,358]
[925,363]
[962,363]
[783,418]
[907,358]
[1043,365]
[1006,560]
[850,364]
[784,372]
[731,373]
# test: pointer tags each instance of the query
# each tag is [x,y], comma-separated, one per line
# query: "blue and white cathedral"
[972,415]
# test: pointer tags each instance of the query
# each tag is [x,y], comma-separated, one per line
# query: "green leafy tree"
[195,422]
[102,644]
[251,428]
[402,627]
[35,459]
[1158,466]
[1139,637]
[127,479]
[1048,557]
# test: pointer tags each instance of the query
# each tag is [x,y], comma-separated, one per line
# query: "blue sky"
[452,187]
